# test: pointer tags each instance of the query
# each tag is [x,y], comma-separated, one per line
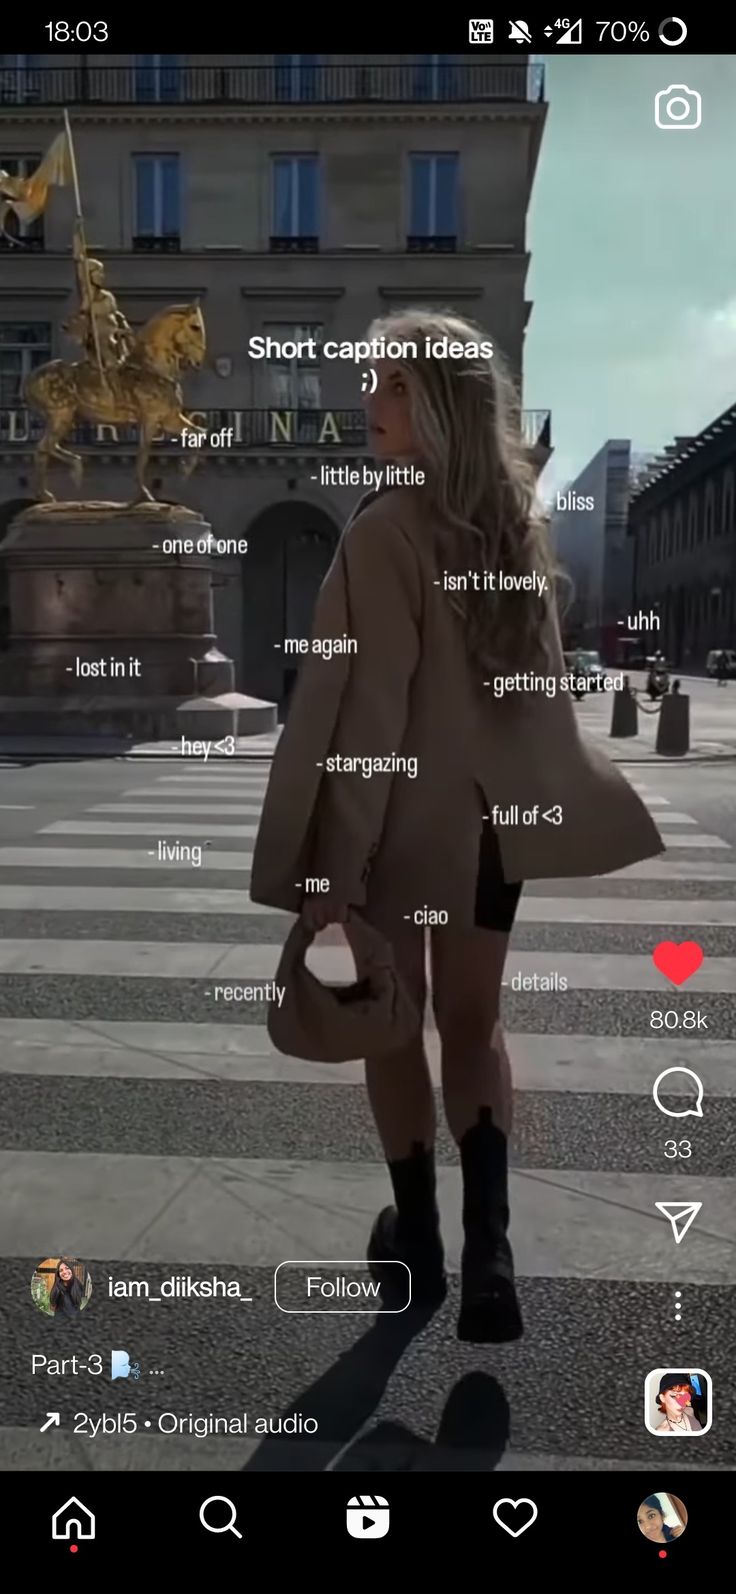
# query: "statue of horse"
[143,390]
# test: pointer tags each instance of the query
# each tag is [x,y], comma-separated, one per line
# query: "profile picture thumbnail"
[61,1286]
[662,1518]
[678,1403]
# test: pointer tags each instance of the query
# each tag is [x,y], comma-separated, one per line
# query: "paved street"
[712,718]
[712,730]
[146,1126]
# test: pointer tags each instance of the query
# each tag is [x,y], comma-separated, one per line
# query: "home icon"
[73,1521]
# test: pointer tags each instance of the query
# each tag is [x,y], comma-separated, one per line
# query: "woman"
[480,781]
[675,1400]
[66,1295]
[650,1518]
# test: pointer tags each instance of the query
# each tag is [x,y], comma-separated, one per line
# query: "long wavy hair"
[466,425]
[59,1289]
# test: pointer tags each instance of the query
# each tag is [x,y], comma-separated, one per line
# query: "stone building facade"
[588,529]
[683,525]
[290,196]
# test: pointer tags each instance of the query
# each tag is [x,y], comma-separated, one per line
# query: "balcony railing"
[277,429]
[168,243]
[413,82]
[34,241]
[293,244]
[431,243]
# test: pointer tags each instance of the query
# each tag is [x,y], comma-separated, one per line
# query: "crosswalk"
[149,1128]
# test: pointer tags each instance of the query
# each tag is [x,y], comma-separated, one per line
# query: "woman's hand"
[318,912]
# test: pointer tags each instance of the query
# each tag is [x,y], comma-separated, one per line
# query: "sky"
[632,233]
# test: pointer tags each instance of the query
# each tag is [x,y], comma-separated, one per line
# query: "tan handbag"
[341,1023]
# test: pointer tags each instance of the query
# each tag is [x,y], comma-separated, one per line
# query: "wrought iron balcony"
[293,244]
[157,244]
[33,241]
[272,83]
[280,430]
[431,243]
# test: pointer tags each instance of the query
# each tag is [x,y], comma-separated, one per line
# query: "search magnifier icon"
[229,1526]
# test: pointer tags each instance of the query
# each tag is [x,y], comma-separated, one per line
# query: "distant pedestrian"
[722,668]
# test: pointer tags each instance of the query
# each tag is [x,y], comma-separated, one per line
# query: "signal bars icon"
[571,35]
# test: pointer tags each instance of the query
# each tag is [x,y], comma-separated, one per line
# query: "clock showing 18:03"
[81,32]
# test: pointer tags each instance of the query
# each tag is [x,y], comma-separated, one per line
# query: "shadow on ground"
[472,1434]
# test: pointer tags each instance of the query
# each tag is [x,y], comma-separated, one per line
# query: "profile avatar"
[677,1402]
[61,1287]
[661,1518]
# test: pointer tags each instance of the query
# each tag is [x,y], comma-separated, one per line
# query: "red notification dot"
[663,1555]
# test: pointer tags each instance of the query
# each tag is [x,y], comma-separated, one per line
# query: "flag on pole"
[28,196]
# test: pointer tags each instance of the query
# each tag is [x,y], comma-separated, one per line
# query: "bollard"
[673,731]
[625,715]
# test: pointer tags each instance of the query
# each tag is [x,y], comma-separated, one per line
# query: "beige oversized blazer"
[392,844]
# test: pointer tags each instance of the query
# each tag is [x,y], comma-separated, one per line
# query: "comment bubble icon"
[693,1109]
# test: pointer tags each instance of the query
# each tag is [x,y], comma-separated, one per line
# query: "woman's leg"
[402,1099]
[467,968]
[399,1084]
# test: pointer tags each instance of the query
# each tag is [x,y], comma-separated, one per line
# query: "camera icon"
[678,108]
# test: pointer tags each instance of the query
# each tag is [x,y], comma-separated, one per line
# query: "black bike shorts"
[496,899]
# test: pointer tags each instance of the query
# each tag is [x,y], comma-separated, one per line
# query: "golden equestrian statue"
[124,377]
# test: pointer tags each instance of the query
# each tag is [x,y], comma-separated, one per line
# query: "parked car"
[588,667]
[712,663]
[575,676]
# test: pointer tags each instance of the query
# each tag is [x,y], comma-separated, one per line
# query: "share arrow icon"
[680,1214]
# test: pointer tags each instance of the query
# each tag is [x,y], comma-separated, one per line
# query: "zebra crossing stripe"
[249,962]
[146,1049]
[533,909]
[161,1209]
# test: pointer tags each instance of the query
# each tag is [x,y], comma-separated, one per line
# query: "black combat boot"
[489,1309]
[410,1233]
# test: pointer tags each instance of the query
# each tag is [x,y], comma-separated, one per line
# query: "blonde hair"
[466,425]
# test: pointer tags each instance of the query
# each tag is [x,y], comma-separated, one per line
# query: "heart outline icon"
[677,960]
[515,1532]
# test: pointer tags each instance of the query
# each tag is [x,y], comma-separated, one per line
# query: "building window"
[692,520]
[679,528]
[19,78]
[434,185]
[157,77]
[727,504]
[30,231]
[23,346]
[295,197]
[436,77]
[157,204]
[296,77]
[294,384]
[710,505]
[700,528]
[666,548]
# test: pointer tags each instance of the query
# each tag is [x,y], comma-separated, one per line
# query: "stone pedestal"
[111,622]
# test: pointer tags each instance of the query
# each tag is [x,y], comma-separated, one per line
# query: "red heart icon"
[678,960]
